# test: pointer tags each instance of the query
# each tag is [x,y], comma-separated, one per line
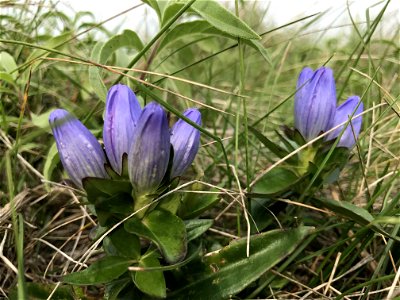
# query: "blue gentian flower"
[80,152]
[315,102]
[121,116]
[149,154]
[343,112]
[185,140]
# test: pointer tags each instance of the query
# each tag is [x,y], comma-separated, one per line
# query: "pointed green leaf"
[150,282]
[197,227]
[102,271]
[223,19]
[261,49]
[353,212]
[229,270]
[274,148]
[193,205]
[165,229]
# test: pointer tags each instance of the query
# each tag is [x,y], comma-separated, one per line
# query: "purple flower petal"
[121,117]
[150,150]
[343,112]
[315,102]
[186,140]
[80,152]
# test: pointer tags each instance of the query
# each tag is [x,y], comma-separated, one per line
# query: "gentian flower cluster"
[316,110]
[141,135]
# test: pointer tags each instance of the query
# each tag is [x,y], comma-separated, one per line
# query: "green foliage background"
[49,59]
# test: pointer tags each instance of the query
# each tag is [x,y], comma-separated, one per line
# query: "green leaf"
[194,205]
[203,28]
[102,52]
[182,30]
[154,5]
[165,229]
[111,198]
[150,282]
[261,215]
[42,120]
[223,19]
[94,74]
[277,180]
[7,78]
[52,43]
[40,291]
[52,159]
[197,227]
[261,49]
[113,289]
[170,10]
[229,270]
[353,212]
[103,186]
[274,148]
[125,243]
[127,38]
[7,63]
[102,271]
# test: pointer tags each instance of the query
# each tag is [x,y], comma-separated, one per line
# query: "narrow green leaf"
[229,270]
[274,148]
[193,205]
[52,159]
[277,180]
[261,49]
[95,80]
[165,229]
[150,282]
[223,19]
[102,271]
[197,227]
[353,212]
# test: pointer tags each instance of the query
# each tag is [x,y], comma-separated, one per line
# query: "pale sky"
[280,11]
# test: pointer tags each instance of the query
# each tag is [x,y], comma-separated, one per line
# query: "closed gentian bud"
[343,112]
[120,119]
[315,102]
[185,140]
[80,152]
[149,153]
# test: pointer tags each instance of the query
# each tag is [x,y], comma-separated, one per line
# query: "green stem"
[18,230]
